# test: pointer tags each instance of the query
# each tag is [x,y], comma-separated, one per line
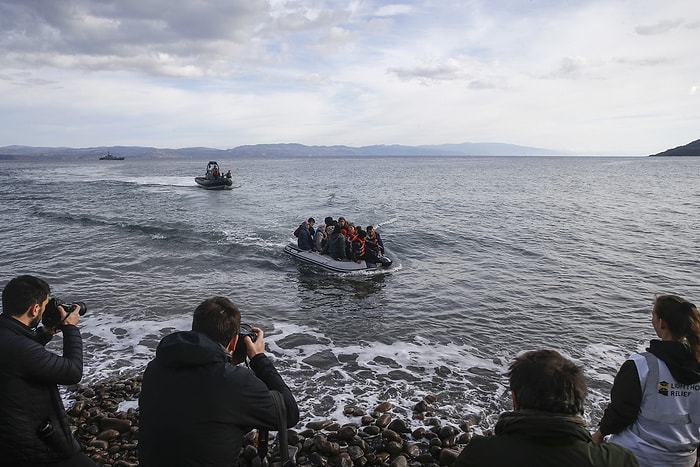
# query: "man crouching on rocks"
[196,403]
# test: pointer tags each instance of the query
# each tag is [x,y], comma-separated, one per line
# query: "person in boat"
[196,403]
[546,428]
[342,225]
[311,221]
[369,255]
[654,406]
[304,236]
[373,241]
[350,235]
[215,172]
[228,174]
[320,237]
[357,246]
[330,228]
[336,244]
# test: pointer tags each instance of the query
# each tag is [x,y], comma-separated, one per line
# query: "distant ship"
[111,157]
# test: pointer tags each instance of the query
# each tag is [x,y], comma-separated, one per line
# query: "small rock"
[383,420]
[384,407]
[108,434]
[122,426]
[400,461]
[347,432]
[448,456]
[399,426]
[99,444]
[318,425]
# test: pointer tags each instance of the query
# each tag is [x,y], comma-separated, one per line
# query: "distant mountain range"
[690,149]
[301,150]
[278,150]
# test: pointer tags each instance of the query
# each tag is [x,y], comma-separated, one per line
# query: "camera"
[240,351]
[52,317]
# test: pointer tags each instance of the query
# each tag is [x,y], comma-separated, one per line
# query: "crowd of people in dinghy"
[340,240]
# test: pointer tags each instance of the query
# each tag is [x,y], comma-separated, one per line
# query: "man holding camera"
[34,427]
[196,403]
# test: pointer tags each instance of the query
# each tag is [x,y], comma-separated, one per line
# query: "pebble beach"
[375,436]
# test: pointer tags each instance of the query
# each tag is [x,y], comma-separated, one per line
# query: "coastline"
[109,434]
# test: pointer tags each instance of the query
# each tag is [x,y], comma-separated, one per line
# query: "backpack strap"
[286,460]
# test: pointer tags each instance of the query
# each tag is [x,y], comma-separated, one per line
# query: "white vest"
[667,430]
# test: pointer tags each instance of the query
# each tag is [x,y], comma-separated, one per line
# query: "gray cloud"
[126,34]
[660,27]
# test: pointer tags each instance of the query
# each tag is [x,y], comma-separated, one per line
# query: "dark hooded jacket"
[195,405]
[29,397]
[530,438]
[626,393]
[336,244]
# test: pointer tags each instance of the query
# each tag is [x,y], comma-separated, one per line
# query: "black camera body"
[240,351]
[52,317]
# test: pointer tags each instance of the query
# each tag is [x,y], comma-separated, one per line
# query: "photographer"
[34,427]
[196,403]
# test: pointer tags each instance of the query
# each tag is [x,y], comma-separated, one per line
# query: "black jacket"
[29,397]
[195,406]
[530,438]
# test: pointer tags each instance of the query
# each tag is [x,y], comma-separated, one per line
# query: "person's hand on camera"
[70,318]
[257,347]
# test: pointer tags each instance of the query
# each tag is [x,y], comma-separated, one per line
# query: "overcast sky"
[590,76]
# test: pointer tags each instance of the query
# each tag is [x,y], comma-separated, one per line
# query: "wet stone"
[122,426]
[399,426]
[345,460]
[333,426]
[448,456]
[383,420]
[366,420]
[319,425]
[412,450]
[391,435]
[108,434]
[384,407]
[98,443]
[400,461]
[447,432]
[355,452]
[394,447]
[422,406]
[347,432]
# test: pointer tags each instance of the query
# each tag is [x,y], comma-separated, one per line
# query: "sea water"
[493,256]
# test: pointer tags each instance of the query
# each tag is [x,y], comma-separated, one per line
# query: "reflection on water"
[359,286]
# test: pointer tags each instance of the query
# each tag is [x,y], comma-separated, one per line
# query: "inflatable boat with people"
[334,265]
[213,179]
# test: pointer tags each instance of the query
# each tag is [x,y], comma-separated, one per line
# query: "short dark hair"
[22,292]
[218,318]
[545,380]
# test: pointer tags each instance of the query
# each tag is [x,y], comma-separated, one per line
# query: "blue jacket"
[195,406]
[305,241]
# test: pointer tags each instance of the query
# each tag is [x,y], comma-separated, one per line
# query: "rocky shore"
[378,437]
